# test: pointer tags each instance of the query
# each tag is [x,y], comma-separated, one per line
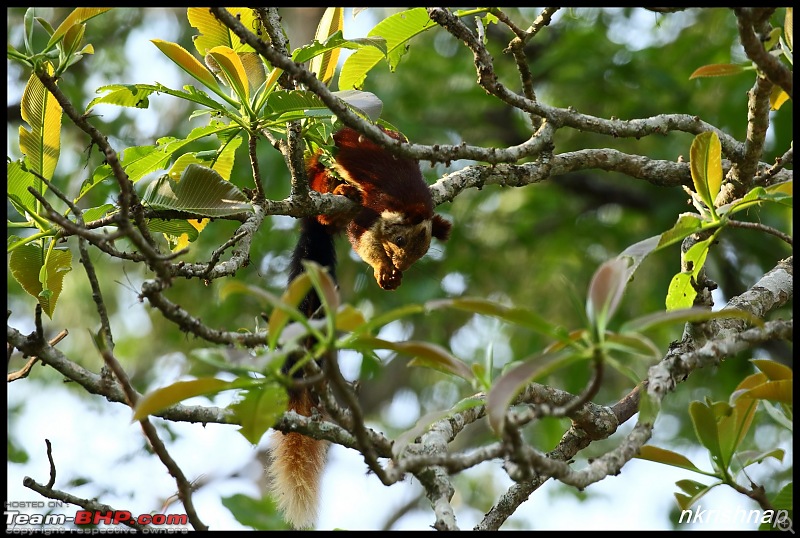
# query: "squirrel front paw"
[389,278]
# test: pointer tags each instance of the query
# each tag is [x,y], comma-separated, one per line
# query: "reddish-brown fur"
[391,230]
[381,183]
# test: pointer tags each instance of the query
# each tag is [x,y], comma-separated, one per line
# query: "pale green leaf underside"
[201,191]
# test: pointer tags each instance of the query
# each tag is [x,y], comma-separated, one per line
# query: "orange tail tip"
[296,469]
[296,472]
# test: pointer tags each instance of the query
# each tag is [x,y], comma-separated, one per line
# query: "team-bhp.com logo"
[18,520]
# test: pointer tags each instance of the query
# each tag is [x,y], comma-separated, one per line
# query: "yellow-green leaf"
[324,65]
[213,33]
[221,161]
[349,319]
[159,399]
[775,371]
[232,70]
[397,29]
[296,290]
[78,15]
[42,144]
[776,391]
[667,457]
[187,62]
[680,293]
[695,491]
[73,38]
[27,263]
[777,97]
[706,166]
[18,182]
[253,69]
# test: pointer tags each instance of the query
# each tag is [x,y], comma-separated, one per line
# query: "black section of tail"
[315,244]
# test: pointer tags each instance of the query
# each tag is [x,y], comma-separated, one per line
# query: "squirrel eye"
[400,241]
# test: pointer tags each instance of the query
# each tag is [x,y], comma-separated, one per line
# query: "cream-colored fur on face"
[404,244]
[391,247]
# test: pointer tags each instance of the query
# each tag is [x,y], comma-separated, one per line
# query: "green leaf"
[19,180]
[687,225]
[138,161]
[174,228]
[705,428]
[681,292]
[201,191]
[397,30]
[142,160]
[221,161]
[779,414]
[784,499]
[325,287]
[297,104]
[387,317]
[772,38]
[706,167]
[324,65]
[755,196]
[667,457]
[259,409]
[42,144]
[717,70]
[733,423]
[73,38]
[751,456]
[259,514]
[336,41]
[128,95]
[27,263]
[291,298]
[685,315]
[27,34]
[695,491]
[159,399]
[77,16]
[95,213]
[515,315]
[423,353]
[511,383]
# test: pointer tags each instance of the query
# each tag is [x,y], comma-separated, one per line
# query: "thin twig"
[25,370]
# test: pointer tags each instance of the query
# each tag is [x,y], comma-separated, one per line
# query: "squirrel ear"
[441,228]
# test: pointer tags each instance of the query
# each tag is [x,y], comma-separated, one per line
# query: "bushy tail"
[296,469]
[297,460]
